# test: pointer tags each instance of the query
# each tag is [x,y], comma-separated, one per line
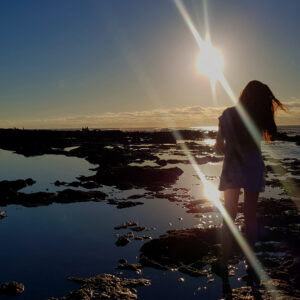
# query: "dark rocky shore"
[196,252]
[128,160]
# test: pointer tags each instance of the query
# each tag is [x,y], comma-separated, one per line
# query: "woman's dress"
[243,165]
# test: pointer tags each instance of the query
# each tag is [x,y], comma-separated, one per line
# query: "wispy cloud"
[180,117]
[292,116]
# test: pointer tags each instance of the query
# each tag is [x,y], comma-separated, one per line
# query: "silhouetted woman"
[241,129]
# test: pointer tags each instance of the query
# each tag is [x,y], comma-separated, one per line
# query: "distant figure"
[243,165]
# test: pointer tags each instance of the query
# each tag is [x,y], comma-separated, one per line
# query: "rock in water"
[130,267]
[2,215]
[12,288]
[105,286]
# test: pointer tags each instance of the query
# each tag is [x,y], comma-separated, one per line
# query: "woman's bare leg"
[231,198]
[250,205]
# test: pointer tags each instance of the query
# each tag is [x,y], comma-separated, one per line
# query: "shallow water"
[45,169]
[42,246]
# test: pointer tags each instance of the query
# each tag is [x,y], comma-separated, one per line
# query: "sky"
[132,63]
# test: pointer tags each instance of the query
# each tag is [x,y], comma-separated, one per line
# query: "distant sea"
[293,130]
[290,129]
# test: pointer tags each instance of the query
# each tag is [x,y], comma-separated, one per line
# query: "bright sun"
[210,61]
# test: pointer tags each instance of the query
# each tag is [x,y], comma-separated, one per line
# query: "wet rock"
[147,262]
[150,178]
[9,189]
[131,267]
[293,166]
[29,200]
[87,185]
[194,272]
[138,228]
[112,202]
[135,196]
[181,246]
[282,136]
[16,184]
[12,196]
[2,214]
[284,272]
[124,204]
[124,239]
[274,182]
[12,288]
[105,286]
[291,186]
[171,197]
[142,237]
[70,195]
[122,261]
[199,160]
[199,206]
[59,183]
[278,220]
[247,292]
[126,225]
[90,185]
[201,209]
[207,159]
[180,189]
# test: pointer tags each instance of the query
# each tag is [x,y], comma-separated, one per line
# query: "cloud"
[291,116]
[179,117]
[292,104]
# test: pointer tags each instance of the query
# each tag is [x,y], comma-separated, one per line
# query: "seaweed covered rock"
[105,286]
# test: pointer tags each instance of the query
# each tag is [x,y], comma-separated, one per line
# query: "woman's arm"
[220,143]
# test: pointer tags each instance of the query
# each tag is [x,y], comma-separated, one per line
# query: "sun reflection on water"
[209,142]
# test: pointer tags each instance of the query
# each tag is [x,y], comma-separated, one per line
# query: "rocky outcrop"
[105,286]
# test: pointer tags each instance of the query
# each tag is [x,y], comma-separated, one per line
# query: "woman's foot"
[220,268]
[251,277]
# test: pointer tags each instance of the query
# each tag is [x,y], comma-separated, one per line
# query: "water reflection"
[44,169]
[209,142]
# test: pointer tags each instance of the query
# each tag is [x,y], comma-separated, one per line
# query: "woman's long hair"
[260,103]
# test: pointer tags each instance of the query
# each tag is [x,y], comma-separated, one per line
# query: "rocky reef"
[105,286]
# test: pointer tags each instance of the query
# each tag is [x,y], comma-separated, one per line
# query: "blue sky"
[129,63]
